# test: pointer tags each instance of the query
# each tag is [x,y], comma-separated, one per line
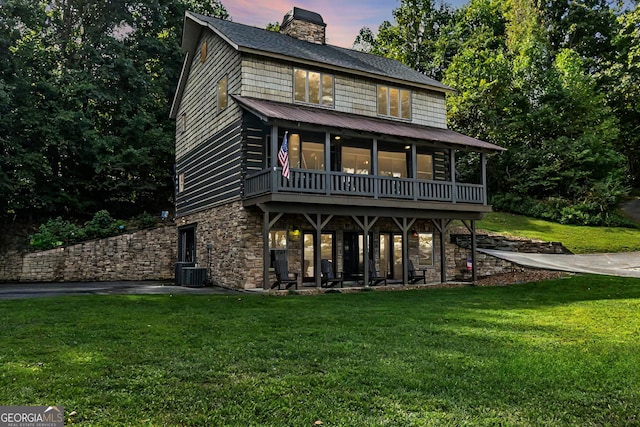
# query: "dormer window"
[312,87]
[394,102]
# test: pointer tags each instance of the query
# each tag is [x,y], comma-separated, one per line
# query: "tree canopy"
[554,82]
[85,90]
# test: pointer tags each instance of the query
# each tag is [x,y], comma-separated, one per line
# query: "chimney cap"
[303,15]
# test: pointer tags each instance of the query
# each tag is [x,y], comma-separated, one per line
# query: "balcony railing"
[346,184]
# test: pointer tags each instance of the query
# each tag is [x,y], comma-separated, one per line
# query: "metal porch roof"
[317,116]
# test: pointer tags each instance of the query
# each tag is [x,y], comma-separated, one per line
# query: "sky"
[344,18]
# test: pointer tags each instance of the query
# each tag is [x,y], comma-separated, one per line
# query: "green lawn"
[564,352]
[578,239]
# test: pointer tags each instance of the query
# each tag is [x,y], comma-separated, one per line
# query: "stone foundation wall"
[234,235]
[142,255]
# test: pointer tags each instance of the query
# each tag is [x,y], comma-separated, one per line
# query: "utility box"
[194,276]
[179,273]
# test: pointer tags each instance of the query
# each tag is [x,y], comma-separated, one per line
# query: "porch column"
[414,171]
[366,226]
[375,168]
[318,225]
[452,166]
[327,164]
[483,166]
[404,227]
[442,226]
[274,158]
[472,229]
[266,253]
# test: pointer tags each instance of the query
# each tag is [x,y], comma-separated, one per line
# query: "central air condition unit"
[194,277]
[179,274]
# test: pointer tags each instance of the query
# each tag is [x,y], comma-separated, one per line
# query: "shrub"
[145,220]
[56,232]
[592,211]
[101,225]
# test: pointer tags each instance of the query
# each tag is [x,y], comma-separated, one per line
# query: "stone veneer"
[143,255]
[235,236]
[234,260]
[304,30]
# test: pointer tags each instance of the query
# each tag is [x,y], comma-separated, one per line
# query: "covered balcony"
[329,183]
[351,160]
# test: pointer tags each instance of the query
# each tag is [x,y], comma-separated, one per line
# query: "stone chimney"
[304,25]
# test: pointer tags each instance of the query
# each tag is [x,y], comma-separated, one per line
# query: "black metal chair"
[414,276]
[374,277]
[283,276]
[329,280]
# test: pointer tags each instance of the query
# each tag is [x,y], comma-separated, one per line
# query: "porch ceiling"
[314,204]
[271,110]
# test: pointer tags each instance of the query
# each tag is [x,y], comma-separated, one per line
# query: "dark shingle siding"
[245,36]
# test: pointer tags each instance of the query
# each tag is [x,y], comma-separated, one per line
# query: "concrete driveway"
[37,290]
[625,264]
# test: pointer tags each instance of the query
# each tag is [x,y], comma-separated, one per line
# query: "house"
[371,178]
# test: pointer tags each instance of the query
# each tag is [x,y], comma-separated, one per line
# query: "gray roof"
[245,37]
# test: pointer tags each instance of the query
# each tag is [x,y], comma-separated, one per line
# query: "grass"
[577,239]
[555,353]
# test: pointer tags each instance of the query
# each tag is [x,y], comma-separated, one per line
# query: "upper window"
[394,102]
[203,51]
[425,166]
[183,123]
[392,163]
[356,160]
[312,87]
[306,150]
[222,94]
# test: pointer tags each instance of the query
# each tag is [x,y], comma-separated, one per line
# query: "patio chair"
[416,276]
[374,277]
[329,280]
[283,276]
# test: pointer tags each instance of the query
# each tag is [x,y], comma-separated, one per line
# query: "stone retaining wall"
[143,255]
[502,243]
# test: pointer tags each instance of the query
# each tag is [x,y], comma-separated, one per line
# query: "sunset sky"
[344,18]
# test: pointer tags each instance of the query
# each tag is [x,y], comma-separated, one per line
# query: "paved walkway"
[37,290]
[625,264]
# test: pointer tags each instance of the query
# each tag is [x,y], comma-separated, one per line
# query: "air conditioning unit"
[194,277]
[179,274]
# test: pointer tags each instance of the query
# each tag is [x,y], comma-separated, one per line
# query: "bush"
[593,211]
[101,225]
[145,220]
[56,232]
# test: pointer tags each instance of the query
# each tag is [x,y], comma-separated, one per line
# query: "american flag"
[283,156]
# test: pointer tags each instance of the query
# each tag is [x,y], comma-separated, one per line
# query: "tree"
[85,90]
[515,89]
[620,79]
[419,38]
